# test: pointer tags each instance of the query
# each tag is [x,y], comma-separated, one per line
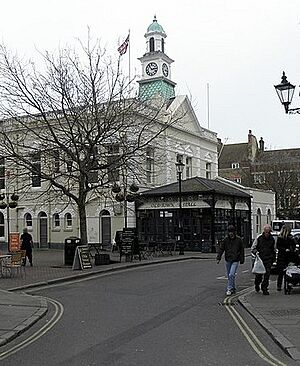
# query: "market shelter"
[208,207]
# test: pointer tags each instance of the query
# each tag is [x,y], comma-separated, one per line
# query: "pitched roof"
[279,156]
[196,185]
[233,153]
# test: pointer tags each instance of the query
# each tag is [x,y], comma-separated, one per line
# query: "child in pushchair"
[292,274]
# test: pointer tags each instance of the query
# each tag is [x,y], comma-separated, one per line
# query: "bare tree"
[282,177]
[72,123]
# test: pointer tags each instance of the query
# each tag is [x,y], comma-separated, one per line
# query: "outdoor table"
[3,258]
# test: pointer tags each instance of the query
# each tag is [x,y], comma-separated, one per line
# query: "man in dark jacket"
[233,247]
[27,244]
[265,246]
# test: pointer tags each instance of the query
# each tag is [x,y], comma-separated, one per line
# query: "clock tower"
[156,70]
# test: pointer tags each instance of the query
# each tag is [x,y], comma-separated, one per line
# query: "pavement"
[278,314]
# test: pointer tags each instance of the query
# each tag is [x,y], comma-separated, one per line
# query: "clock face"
[165,69]
[151,68]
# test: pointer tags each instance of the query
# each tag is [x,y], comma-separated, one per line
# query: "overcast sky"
[238,47]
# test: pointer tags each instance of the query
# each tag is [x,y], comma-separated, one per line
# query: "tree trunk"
[82,222]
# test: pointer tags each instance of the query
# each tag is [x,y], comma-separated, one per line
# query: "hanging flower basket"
[14,197]
[133,187]
[120,197]
[130,197]
[13,204]
[116,188]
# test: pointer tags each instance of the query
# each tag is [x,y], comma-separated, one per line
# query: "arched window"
[68,220]
[151,44]
[258,221]
[56,220]
[1,224]
[163,45]
[28,219]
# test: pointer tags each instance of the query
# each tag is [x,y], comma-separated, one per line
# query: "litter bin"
[70,247]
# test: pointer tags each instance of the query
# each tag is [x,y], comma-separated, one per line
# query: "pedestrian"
[27,244]
[286,246]
[265,247]
[233,247]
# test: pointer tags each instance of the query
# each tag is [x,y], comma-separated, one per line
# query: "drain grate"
[284,312]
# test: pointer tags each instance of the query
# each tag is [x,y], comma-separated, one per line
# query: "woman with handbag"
[286,248]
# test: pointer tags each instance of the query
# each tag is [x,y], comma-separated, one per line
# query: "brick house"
[250,164]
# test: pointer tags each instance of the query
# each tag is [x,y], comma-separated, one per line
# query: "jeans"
[231,268]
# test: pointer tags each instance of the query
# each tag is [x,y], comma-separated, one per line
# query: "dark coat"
[26,242]
[286,251]
[266,248]
[233,248]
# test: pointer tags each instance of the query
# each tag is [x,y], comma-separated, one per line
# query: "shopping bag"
[258,267]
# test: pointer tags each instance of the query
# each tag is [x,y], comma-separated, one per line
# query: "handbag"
[258,267]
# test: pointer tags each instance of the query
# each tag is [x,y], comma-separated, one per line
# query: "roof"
[197,185]
[155,27]
[233,153]
[282,156]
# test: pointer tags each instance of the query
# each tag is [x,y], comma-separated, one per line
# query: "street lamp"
[179,168]
[285,91]
[125,196]
[11,202]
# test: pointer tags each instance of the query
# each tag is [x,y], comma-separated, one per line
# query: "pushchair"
[291,278]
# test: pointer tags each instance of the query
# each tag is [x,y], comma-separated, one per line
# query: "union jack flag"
[123,48]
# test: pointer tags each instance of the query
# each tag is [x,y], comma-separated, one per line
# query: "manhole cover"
[284,312]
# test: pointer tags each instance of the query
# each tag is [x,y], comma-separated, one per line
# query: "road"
[167,314]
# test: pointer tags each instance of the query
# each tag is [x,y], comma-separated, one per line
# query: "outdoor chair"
[13,264]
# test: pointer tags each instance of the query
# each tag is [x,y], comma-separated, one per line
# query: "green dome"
[155,27]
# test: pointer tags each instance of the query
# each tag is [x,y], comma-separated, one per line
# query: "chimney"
[249,136]
[261,144]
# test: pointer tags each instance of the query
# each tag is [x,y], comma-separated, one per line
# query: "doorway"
[105,228]
[43,230]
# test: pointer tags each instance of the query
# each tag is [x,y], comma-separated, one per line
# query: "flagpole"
[129,55]
[207,91]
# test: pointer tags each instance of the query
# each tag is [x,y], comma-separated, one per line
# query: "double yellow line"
[58,312]
[254,342]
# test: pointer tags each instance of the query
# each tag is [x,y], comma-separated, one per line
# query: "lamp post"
[11,202]
[285,91]
[125,196]
[179,168]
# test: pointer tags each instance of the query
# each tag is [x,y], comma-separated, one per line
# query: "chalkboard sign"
[82,258]
[128,239]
